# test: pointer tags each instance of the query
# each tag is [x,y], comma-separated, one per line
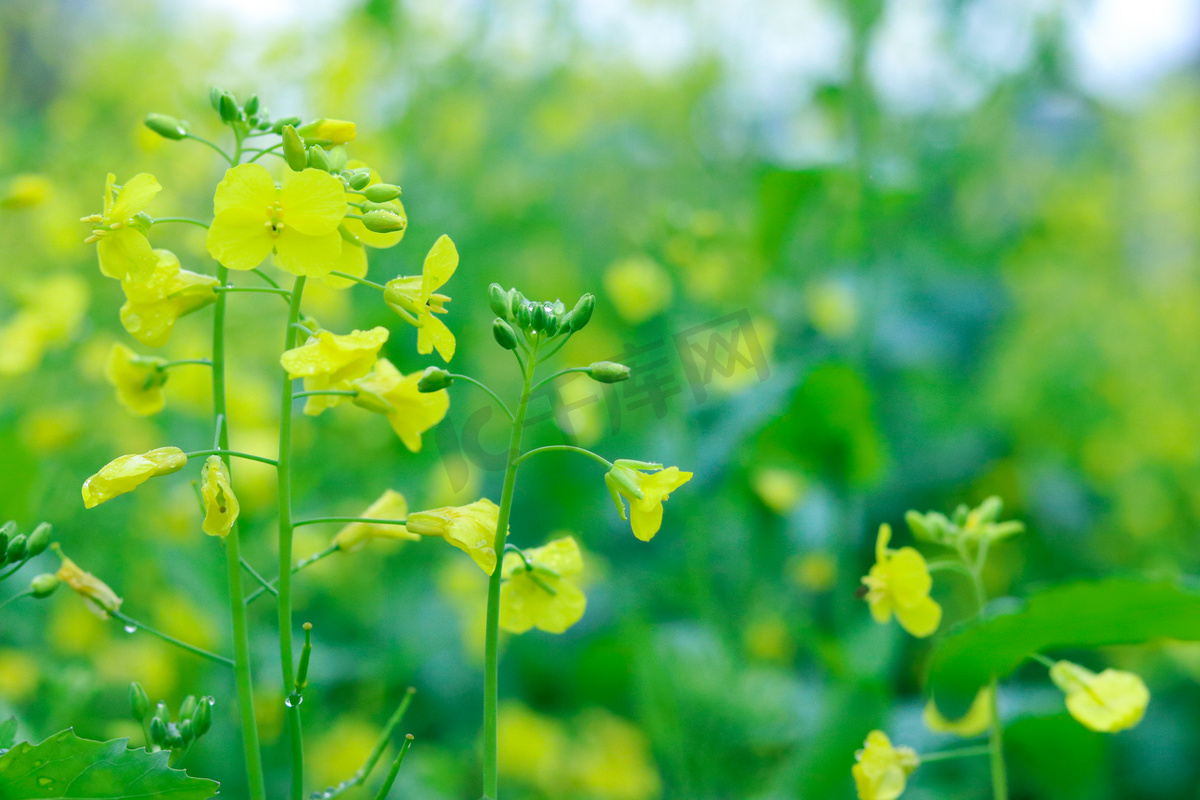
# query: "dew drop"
[131,628]
[293,700]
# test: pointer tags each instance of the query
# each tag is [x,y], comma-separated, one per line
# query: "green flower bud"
[337,158]
[293,149]
[522,313]
[214,97]
[498,300]
[202,716]
[165,126]
[141,221]
[39,540]
[551,325]
[608,372]
[359,179]
[158,731]
[381,221]
[160,711]
[228,108]
[515,300]
[251,106]
[3,545]
[280,124]
[582,312]
[17,548]
[368,206]
[187,731]
[505,336]
[9,528]
[44,585]
[187,707]
[318,158]
[139,701]
[434,379]
[382,192]
[537,316]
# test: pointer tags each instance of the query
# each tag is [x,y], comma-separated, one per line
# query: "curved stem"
[232,161]
[253,289]
[319,392]
[182,361]
[965,752]
[260,153]
[187,220]
[558,374]
[191,648]
[266,277]
[386,786]
[360,777]
[225,453]
[233,560]
[270,587]
[1048,663]
[566,448]
[357,279]
[18,596]
[15,568]
[368,520]
[490,393]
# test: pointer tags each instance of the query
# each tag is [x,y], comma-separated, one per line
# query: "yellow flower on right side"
[646,487]
[881,771]
[1108,702]
[899,583]
[470,528]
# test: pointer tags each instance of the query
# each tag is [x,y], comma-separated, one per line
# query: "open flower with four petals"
[646,486]
[882,770]
[123,248]
[538,591]
[416,299]
[331,361]
[899,583]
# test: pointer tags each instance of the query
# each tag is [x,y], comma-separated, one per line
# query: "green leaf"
[65,767]
[1083,614]
[8,733]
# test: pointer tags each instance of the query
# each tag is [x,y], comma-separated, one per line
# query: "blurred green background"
[963,235]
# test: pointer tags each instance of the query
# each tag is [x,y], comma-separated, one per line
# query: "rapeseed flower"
[51,311]
[334,131]
[537,592]
[470,528]
[882,770]
[899,583]
[220,504]
[26,191]
[411,412]
[330,361]
[647,487]
[533,747]
[1108,702]
[299,222]
[126,473]
[97,594]
[611,760]
[977,719]
[123,249]
[416,300]
[390,505]
[138,380]
[154,303]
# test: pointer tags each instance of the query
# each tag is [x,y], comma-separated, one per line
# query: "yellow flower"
[647,487]
[330,361]
[1108,702]
[51,311]
[899,583]
[299,222]
[612,760]
[532,746]
[220,504]
[882,770]
[126,473]
[123,249]
[388,391]
[26,191]
[334,131]
[536,592]
[415,299]
[355,228]
[390,505]
[95,593]
[638,287]
[155,302]
[470,528]
[138,380]
[977,719]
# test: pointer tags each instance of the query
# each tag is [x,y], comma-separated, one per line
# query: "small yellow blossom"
[154,303]
[51,311]
[411,412]
[138,380]
[1108,702]
[470,528]
[779,488]
[20,675]
[833,308]
[95,593]
[416,299]
[882,770]
[977,719]
[330,361]
[647,487]
[813,572]
[390,505]
[123,249]
[638,287]
[334,131]
[536,592]
[25,191]
[126,473]
[899,583]
[532,746]
[355,229]
[612,760]
[220,504]
[299,222]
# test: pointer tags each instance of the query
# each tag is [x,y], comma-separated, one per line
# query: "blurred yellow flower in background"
[833,308]
[899,584]
[532,747]
[536,592]
[51,311]
[19,675]
[390,505]
[767,637]
[470,528]
[882,770]
[138,380]
[977,719]
[814,572]
[638,288]
[330,361]
[1108,702]
[780,488]
[611,759]
[25,191]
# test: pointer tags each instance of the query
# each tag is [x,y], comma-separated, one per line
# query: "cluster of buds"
[535,319]
[17,548]
[162,733]
[965,526]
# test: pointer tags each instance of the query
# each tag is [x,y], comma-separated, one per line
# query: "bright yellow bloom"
[126,473]
[355,228]
[647,487]
[299,222]
[470,528]
[390,505]
[123,249]
[352,261]
[388,391]
[220,504]
[154,303]
[977,719]
[330,361]
[899,583]
[1107,702]
[25,191]
[415,298]
[95,593]
[882,770]
[138,380]
[611,760]
[334,131]
[536,592]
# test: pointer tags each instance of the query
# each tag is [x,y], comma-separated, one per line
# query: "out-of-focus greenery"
[997,296]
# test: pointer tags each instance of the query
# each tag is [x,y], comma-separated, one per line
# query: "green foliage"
[65,766]
[8,733]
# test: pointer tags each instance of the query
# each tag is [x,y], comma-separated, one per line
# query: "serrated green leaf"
[65,767]
[1083,614]
[8,733]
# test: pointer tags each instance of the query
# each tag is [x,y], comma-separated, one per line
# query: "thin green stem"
[369,520]
[996,729]
[233,560]
[191,648]
[260,153]
[558,374]
[232,161]
[320,392]
[360,777]
[965,752]
[187,220]
[285,547]
[491,676]
[1048,663]
[182,361]
[15,569]
[314,558]
[234,453]
[17,596]
[490,393]
[570,448]
[266,277]
[357,279]
[266,584]
[253,290]
[386,786]
[555,349]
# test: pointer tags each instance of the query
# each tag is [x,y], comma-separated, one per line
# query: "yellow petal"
[248,187]
[921,618]
[525,604]
[352,261]
[126,253]
[314,256]
[977,719]
[313,203]
[240,239]
[390,505]
[126,473]
[645,520]
[135,195]
[220,504]
[139,386]
[432,334]
[439,265]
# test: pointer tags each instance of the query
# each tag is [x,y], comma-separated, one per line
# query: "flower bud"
[186,730]
[139,701]
[318,158]
[582,312]
[293,149]
[165,126]
[521,313]
[158,731]
[537,317]
[161,712]
[187,707]
[434,379]
[4,534]
[359,179]
[335,131]
[380,221]
[251,106]
[551,324]
[382,192]
[608,372]
[227,107]
[17,549]
[214,97]
[505,336]
[39,540]
[280,124]
[202,717]
[498,300]
[44,585]
[337,158]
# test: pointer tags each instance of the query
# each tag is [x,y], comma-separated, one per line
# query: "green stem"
[260,153]
[191,648]
[266,584]
[320,392]
[182,361]
[15,569]
[233,560]
[966,752]
[386,786]
[570,448]
[558,374]
[491,658]
[285,547]
[266,277]
[25,593]
[188,220]
[490,393]
[253,290]
[356,279]
[314,558]
[227,453]
[232,161]
[370,520]
[1048,663]
[996,729]
[360,777]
